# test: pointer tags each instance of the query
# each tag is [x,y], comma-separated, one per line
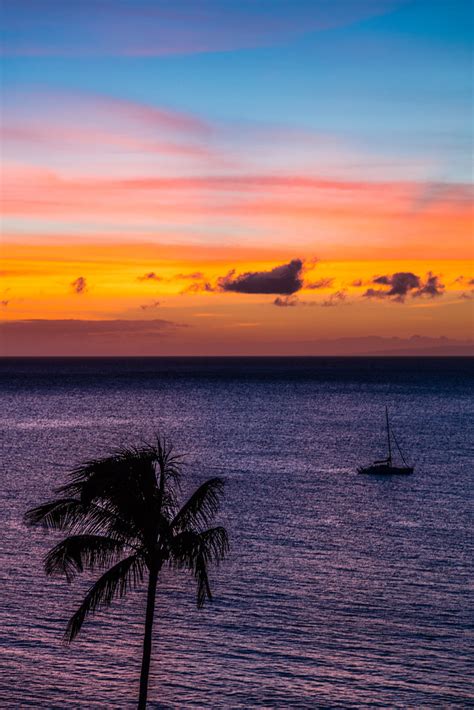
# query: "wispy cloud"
[141,28]
[320,283]
[150,276]
[194,276]
[335,299]
[148,306]
[199,287]
[291,215]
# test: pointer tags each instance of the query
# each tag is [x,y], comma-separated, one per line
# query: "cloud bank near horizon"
[162,337]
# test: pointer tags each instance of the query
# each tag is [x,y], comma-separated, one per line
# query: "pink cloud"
[102,129]
[93,108]
[60,137]
[291,202]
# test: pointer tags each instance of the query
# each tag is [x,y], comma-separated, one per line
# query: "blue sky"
[397,80]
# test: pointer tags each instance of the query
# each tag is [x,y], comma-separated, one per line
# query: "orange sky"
[179,287]
[349,234]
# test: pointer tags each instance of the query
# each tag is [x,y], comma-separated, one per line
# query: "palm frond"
[169,463]
[124,483]
[73,515]
[169,476]
[77,552]
[201,507]
[214,544]
[60,514]
[116,582]
[203,588]
[213,547]
[195,551]
[108,520]
[96,478]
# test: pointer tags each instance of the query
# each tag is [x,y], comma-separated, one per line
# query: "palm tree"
[121,513]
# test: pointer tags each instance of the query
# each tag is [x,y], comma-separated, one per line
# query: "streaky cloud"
[160,28]
[150,276]
[320,283]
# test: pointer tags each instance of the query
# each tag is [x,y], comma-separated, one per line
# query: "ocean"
[340,590]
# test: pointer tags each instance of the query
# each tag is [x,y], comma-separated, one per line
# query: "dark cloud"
[286,301]
[432,287]
[321,283]
[147,306]
[151,276]
[404,283]
[282,280]
[401,283]
[79,285]
[385,280]
[335,299]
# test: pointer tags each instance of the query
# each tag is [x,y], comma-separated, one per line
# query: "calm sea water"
[340,591]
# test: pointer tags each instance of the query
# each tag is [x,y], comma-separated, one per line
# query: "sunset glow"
[137,179]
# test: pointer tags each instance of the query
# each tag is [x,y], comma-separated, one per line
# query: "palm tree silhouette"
[122,513]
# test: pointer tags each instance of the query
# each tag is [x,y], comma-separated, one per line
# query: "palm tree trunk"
[150,610]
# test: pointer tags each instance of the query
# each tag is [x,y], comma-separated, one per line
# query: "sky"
[235,177]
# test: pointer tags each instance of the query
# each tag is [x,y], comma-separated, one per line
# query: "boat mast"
[388,438]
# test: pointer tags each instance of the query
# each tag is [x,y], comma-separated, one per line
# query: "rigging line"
[399,449]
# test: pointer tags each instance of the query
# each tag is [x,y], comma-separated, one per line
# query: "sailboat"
[385,466]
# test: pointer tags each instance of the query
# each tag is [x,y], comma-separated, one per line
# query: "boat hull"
[385,470]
